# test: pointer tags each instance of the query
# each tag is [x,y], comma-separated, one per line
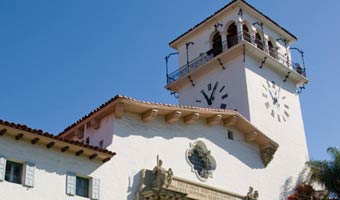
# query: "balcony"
[226,45]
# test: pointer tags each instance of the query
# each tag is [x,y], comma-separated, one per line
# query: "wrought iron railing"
[201,60]
[204,58]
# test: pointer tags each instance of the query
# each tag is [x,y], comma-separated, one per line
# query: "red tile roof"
[220,10]
[138,101]
[49,135]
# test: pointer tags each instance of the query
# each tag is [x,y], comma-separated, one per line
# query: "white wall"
[137,145]
[105,132]
[292,153]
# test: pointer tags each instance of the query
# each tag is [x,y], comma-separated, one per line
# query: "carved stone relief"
[162,184]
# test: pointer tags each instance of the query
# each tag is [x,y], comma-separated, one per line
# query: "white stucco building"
[238,125]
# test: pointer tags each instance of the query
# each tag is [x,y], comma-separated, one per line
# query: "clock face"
[213,95]
[275,102]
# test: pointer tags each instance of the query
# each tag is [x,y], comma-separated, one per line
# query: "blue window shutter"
[2,168]
[29,174]
[71,183]
[95,188]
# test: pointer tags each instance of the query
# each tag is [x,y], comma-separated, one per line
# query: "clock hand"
[212,96]
[206,97]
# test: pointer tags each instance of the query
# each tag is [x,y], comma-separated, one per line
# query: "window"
[272,49]
[202,163]
[246,34]
[258,41]
[82,187]
[217,44]
[87,141]
[232,35]
[13,172]
[230,135]
[101,144]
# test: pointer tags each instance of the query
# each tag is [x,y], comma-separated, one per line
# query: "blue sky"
[61,59]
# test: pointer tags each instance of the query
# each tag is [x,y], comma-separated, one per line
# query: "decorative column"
[240,30]
[252,33]
[265,43]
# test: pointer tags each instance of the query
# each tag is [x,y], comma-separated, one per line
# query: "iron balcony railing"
[204,58]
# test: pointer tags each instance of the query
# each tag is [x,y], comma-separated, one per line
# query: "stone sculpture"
[252,195]
[161,177]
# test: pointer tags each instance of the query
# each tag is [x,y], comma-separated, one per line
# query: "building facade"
[237,132]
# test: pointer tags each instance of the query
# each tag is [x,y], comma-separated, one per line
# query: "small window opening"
[272,49]
[246,34]
[230,135]
[82,187]
[87,141]
[101,144]
[217,44]
[232,35]
[13,172]
[258,41]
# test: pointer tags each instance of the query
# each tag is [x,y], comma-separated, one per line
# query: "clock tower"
[240,59]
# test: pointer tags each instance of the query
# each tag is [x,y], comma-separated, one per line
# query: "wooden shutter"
[2,168]
[29,174]
[95,188]
[71,180]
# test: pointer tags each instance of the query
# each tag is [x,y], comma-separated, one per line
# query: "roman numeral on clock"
[223,106]
[225,96]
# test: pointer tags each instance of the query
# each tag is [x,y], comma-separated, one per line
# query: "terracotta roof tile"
[49,135]
[220,10]
[139,101]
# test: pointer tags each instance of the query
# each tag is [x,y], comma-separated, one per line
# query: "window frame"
[86,193]
[13,164]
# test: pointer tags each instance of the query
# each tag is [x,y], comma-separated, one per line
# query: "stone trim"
[182,189]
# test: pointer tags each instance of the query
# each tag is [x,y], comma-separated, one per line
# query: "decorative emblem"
[161,177]
[252,195]
[201,161]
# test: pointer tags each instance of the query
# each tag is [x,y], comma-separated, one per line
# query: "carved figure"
[161,177]
[252,195]
[169,177]
[267,155]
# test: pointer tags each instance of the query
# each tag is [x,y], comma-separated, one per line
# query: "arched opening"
[217,44]
[232,35]
[246,33]
[272,49]
[258,41]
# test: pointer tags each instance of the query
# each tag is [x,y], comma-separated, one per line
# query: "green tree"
[327,172]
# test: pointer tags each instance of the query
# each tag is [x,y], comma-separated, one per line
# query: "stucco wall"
[138,143]
[292,153]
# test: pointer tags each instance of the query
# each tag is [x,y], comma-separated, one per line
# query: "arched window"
[217,44]
[258,41]
[272,49]
[232,35]
[246,33]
